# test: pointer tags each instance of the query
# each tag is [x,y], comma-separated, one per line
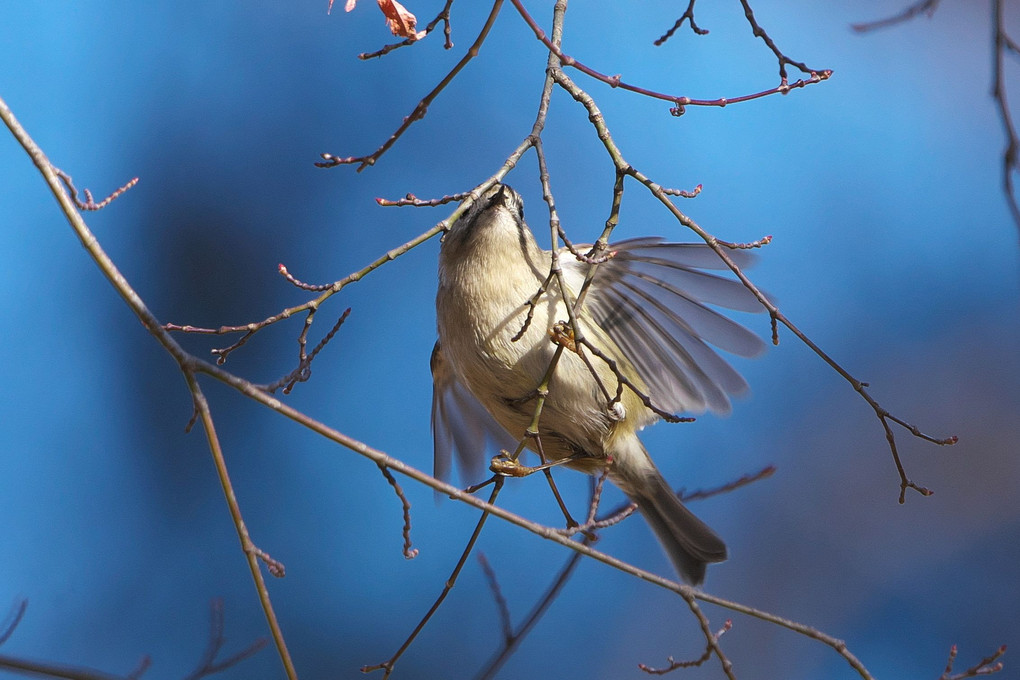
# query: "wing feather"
[652,299]
[462,429]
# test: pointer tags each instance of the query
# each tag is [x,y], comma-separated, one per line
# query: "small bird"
[501,318]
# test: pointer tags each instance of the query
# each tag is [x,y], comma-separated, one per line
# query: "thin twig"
[411,199]
[759,243]
[444,16]
[331,161]
[672,664]
[13,619]
[304,368]
[301,284]
[497,595]
[409,552]
[550,595]
[986,666]
[208,665]
[1002,43]
[688,15]
[1011,154]
[624,381]
[760,32]
[388,665]
[89,203]
[681,102]
[682,193]
[884,416]
[744,480]
[920,7]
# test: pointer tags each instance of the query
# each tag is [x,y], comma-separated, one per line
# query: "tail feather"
[689,543]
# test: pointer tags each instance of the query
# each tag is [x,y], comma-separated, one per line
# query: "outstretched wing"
[461,427]
[652,298]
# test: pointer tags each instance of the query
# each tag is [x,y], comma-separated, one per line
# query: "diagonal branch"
[720,248]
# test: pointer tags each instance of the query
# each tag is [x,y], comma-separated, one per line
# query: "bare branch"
[763,241]
[688,16]
[720,248]
[409,552]
[497,595]
[784,60]
[13,619]
[444,16]
[88,203]
[986,666]
[301,284]
[680,102]
[744,480]
[331,161]
[920,7]
[207,664]
[672,664]
[623,380]
[304,368]
[1002,44]
[1011,154]
[411,199]
[388,665]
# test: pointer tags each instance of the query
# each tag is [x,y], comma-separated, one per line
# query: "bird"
[501,317]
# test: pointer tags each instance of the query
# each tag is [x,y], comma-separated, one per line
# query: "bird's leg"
[505,466]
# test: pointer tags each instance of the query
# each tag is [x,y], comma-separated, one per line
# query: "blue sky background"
[893,250]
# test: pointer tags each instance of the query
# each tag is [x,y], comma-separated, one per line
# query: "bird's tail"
[690,544]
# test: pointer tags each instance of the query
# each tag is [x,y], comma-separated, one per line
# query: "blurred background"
[894,250]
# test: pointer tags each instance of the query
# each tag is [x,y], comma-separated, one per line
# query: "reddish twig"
[221,353]
[275,567]
[591,257]
[314,287]
[409,552]
[89,203]
[627,509]
[593,523]
[682,193]
[763,241]
[411,199]
[986,666]
[444,16]
[304,368]
[681,102]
